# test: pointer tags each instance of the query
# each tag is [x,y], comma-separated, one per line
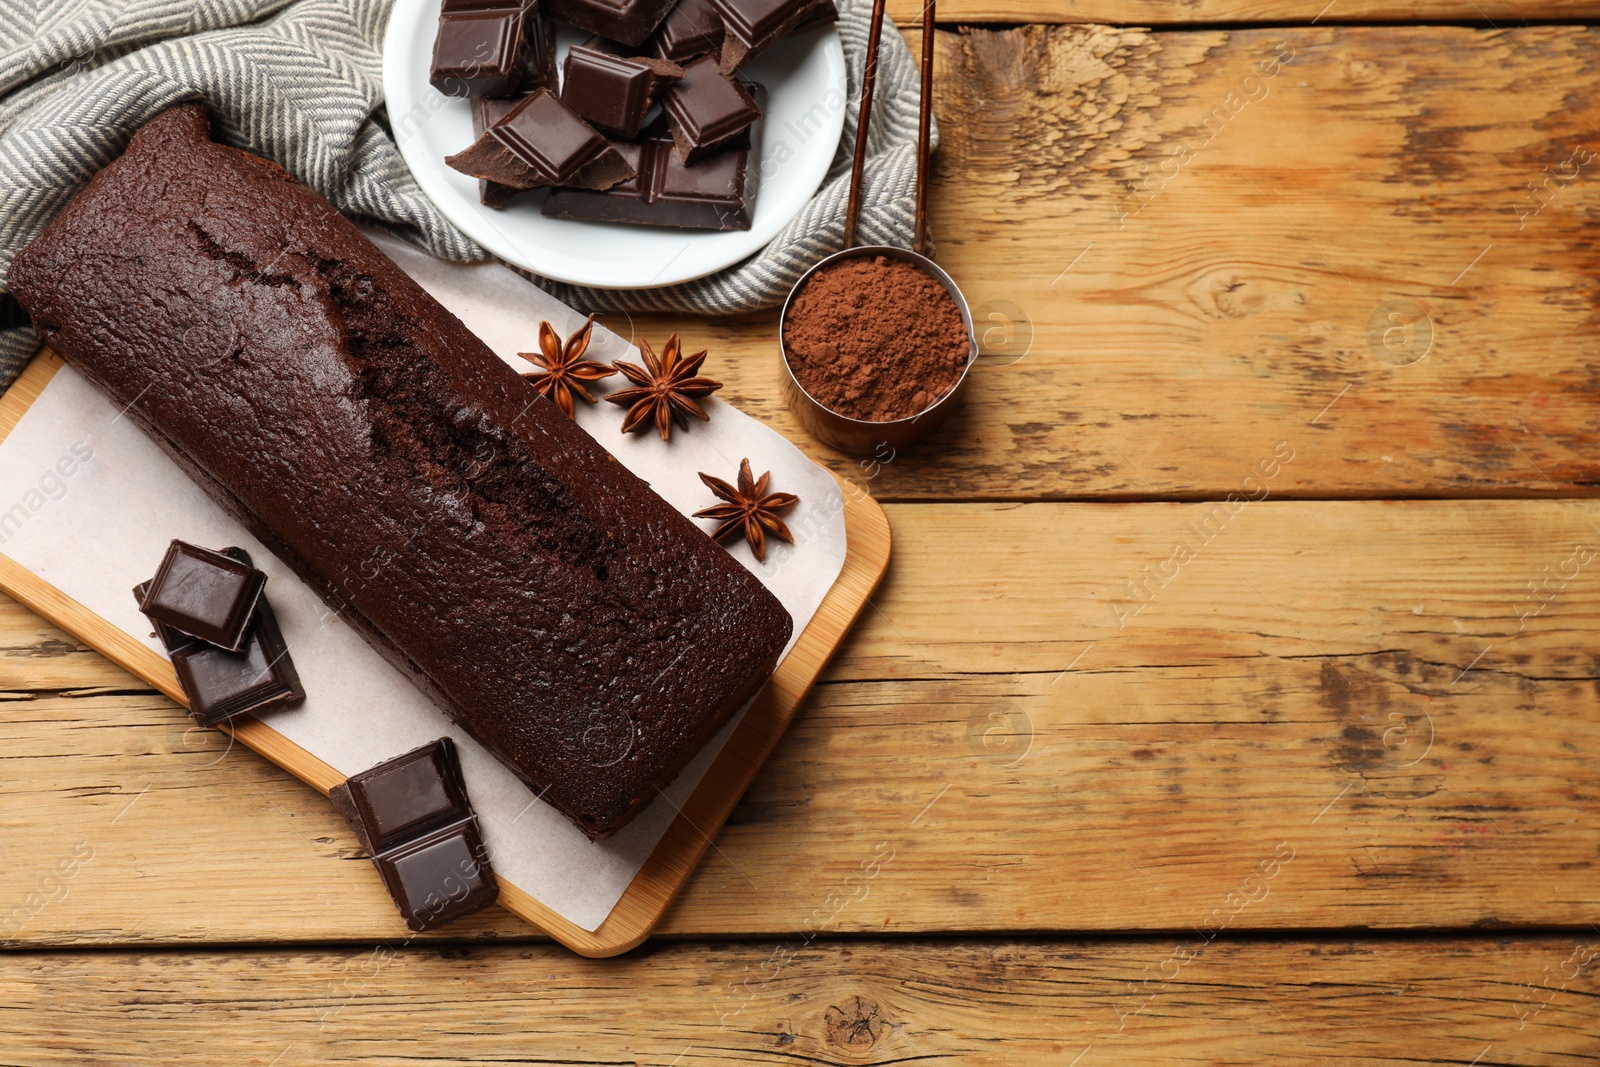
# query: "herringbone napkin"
[301,84]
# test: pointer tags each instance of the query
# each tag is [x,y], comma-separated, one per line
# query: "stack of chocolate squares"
[414,818]
[584,134]
[210,610]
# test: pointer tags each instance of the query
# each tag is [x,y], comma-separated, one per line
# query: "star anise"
[749,510]
[667,389]
[565,369]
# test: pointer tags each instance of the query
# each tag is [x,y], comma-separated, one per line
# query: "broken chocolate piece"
[220,684]
[692,28]
[716,193]
[439,877]
[413,817]
[707,110]
[486,111]
[541,142]
[753,26]
[628,21]
[614,92]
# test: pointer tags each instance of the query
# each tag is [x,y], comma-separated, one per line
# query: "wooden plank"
[1175,1001]
[1203,12]
[1369,686]
[1154,342]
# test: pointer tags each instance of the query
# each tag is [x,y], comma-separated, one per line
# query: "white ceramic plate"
[805,82]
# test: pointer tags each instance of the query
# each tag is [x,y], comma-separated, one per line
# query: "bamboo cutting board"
[680,849]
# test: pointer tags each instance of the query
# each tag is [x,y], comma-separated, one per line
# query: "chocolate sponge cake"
[551,604]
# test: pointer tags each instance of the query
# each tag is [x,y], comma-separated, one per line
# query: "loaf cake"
[542,595]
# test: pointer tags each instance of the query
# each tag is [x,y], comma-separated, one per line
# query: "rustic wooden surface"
[1319,789]
[1346,677]
[1195,12]
[1097,1004]
[1153,343]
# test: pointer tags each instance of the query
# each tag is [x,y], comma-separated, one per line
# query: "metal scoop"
[864,436]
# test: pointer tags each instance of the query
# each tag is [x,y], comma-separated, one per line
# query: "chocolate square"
[204,594]
[545,134]
[221,685]
[408,795]
[614,92]
[440,876]
[541,142]
[480,51]
[707,110]
[753,26]
[628,21]
[692,28]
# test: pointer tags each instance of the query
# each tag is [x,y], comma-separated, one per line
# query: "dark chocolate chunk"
[406,796]
[481,48]
[542,72]
[817,13]
[753,26]
[707,110]
[692,28]
[545,134]
[628,21]
[662,68]
[717,193]
[439,877]
[541,142]
[486,111]
[413,817]
[222,684]
[204,594]
[170,639]
[613,92]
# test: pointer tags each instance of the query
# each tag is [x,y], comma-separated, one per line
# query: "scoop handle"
[920,241]
[858,167]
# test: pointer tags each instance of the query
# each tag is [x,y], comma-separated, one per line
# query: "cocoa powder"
[875,339]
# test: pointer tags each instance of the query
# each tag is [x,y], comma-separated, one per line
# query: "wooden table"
[1233,695]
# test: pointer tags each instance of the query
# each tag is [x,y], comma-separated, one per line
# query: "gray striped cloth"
[300,82]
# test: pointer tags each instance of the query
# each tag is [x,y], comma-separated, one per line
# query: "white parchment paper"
[88,503]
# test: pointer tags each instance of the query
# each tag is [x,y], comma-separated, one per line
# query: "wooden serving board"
[680,849]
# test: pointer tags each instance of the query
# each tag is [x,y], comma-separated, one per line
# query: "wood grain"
[1352,682]
[1197,12]
[1528,1002]
[1151,344]
[1331,715]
